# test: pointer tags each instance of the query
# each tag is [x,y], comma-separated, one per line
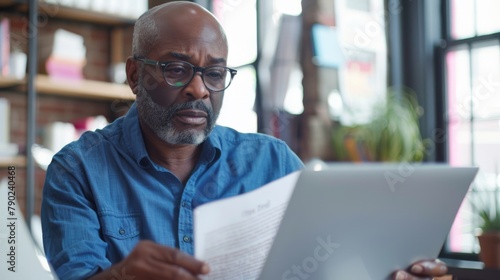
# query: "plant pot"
[490,249]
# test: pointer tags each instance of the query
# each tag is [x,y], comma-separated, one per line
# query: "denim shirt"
[103,193]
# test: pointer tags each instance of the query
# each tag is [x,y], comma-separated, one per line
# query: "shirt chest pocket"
[121,226]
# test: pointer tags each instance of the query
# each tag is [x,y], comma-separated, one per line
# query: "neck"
[178,159]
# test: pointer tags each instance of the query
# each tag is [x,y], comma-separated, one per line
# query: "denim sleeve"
[70,224]
[291,161]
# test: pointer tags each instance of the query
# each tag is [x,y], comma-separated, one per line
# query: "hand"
[422,270]
[151,261]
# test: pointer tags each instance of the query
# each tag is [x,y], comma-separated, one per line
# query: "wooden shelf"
[7,3]
[71,13]
[17,161]
[73,88]
[83,89]
[7,82]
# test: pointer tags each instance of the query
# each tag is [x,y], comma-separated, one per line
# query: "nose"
[196,89]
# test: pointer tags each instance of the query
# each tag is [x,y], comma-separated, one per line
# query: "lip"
[191,117]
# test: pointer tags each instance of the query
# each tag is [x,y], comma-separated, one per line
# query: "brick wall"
[57,108]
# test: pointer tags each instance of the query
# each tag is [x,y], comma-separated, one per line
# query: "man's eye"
[215,74]
[175,70]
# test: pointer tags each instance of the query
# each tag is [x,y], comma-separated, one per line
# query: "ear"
[132,74]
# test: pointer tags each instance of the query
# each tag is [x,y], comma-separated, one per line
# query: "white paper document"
[234,235]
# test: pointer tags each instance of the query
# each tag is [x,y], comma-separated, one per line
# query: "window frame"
[451,44]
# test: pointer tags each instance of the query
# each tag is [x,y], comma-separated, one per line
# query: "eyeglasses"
[180,73]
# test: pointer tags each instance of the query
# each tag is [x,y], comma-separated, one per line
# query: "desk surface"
[470,270]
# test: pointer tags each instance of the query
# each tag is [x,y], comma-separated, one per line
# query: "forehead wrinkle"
[187,57]
[180,56]
[220,60]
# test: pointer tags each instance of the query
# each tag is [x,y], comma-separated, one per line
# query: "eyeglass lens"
[180,73]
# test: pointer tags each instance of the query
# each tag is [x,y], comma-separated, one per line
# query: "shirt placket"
[185,226]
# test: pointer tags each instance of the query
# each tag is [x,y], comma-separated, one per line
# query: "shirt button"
[186,238]
[184,203]
[121,231]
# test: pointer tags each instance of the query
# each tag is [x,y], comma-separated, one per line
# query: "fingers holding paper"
[161,262]
[152,261]
[422,270]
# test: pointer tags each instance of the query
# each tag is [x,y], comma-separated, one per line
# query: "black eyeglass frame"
[163,64]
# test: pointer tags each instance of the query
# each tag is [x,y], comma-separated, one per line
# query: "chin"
[185,137]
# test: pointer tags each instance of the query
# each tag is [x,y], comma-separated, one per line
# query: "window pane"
[473,17]
[237,111]
[487,149]
[239,20]
[478,145]
[462,238]
[459,152]
[458,84]
[486,138]
[462,18]
[487,16]
[486,79]
[460,143]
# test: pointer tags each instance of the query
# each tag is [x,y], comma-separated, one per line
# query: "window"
[239,20]
[472,72]
[245,22]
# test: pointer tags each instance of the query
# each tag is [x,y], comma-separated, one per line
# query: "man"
[118,202]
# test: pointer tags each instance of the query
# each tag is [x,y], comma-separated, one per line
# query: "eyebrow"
[186,57]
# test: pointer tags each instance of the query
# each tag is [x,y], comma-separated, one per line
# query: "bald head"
[173,19]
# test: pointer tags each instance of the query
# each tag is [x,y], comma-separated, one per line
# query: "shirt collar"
[133,137]
[211,148]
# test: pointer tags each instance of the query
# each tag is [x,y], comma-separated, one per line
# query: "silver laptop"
[364,222]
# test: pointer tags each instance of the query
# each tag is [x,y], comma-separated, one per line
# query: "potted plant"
[488,210]
[393,135]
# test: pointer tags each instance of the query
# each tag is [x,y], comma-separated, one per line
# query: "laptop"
[365,221]
[22,259]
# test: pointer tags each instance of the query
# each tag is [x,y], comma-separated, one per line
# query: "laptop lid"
[365,221]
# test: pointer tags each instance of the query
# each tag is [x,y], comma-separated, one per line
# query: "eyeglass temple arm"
[147,61]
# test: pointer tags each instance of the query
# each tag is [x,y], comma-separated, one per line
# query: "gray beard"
[159,119]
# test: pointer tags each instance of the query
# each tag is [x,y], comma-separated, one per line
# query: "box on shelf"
[68,56]
[4,121]
[57,134]
[18,62]
[4,46]
[13,63]
[7,149]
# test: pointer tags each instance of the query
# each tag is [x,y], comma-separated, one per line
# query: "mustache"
[197,105]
